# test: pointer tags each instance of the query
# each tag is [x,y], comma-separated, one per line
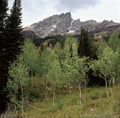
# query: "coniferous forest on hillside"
[63,77]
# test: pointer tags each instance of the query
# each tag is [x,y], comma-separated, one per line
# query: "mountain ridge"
[64,24]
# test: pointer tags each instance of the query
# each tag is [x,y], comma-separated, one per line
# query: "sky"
[36,10]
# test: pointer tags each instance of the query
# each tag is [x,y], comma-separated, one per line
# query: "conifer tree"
[3,69]
[86,48]
[85,44]
[3,18]
[14,38]
[13,31]
[10,41]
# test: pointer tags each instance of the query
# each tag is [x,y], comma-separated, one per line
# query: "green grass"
[95,105]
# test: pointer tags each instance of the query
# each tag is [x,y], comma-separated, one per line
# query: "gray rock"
[64,24]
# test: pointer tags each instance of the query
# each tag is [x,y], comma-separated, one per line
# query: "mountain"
[54,25]
[64,24]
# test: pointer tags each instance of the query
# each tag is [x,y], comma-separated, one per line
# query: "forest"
[65,78]
[49,71]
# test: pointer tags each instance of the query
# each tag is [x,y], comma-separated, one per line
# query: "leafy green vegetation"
[95,105]
[18,80]
[52,81]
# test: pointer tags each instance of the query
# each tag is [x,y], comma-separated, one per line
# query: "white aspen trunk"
[32,79]
[69,87]
[46,88]
[111,92]
[106,86]
[80,94]
[16,110]
[53,98]
[53,95]
[22,96]
[113,81]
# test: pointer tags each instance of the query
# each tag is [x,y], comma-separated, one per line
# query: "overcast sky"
[36,10]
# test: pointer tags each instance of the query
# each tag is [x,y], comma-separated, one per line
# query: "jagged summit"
[53,25]
[64,24]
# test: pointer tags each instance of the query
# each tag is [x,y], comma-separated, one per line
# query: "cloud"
[33,10]
[75,4]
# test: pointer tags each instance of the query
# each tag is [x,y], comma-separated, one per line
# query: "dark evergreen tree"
[14,38]
[3,65]
[13,32]
[10,42]
[86,48]
[85,44]
[3,17]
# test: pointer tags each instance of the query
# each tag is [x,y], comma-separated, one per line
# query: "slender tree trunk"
[113,81]
[15,110]
[106,86]
[69,88]
[53,95]
[111,92]
[32,79]
[85,83]
[22,96]
[80,94]
[53,98]
[46,91]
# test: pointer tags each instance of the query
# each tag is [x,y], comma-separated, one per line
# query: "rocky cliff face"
[54,25]
[64,24]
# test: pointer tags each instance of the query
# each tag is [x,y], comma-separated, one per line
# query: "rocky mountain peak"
[107,23]
[64,24]
[56,24]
